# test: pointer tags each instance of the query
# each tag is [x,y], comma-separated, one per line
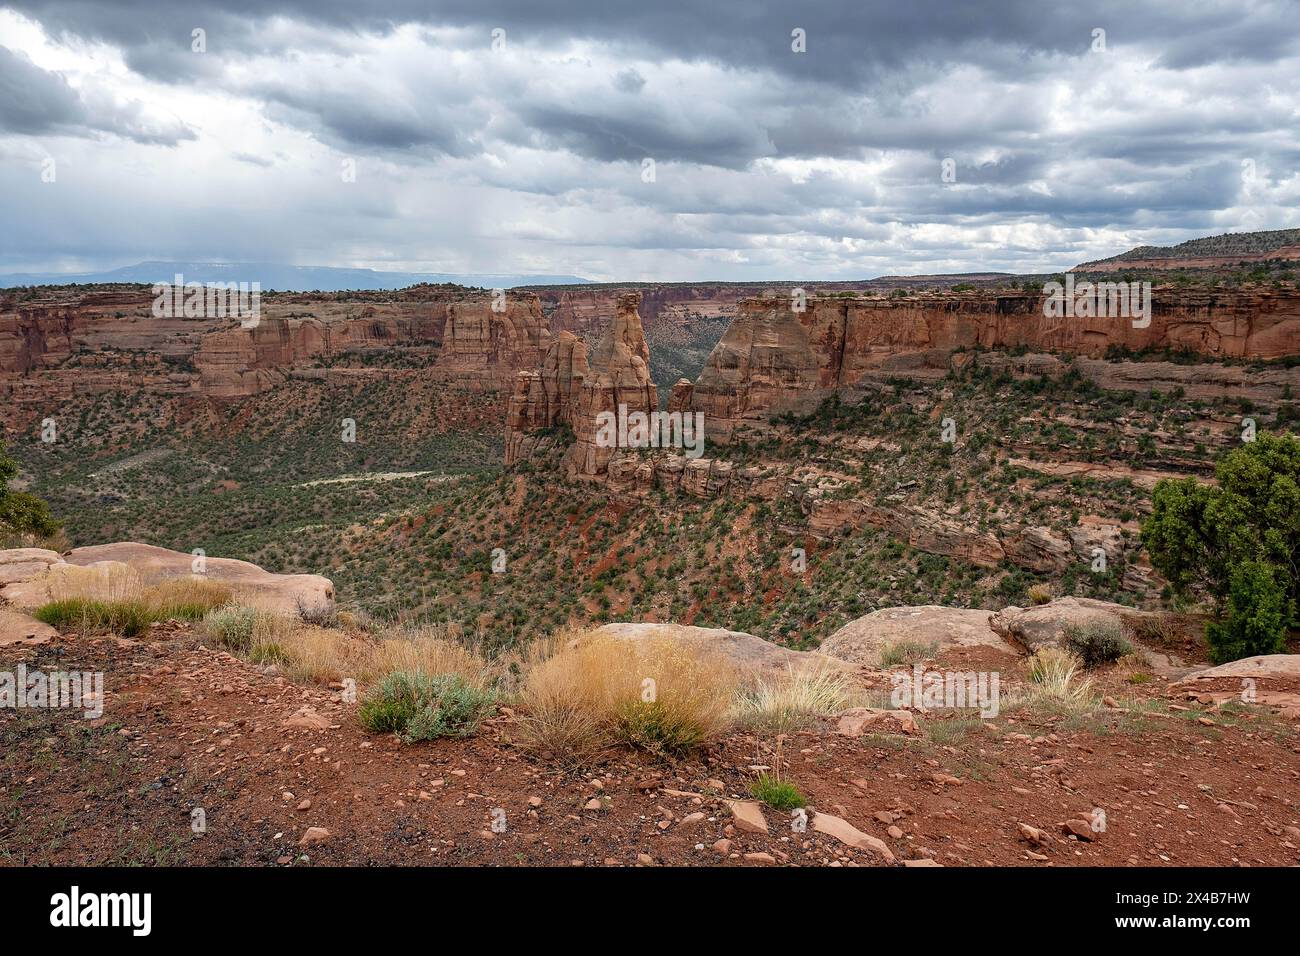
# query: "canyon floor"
[188,726]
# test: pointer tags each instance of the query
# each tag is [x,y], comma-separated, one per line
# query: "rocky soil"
[284,776]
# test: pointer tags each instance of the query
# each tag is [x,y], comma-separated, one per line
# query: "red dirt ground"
[187,726]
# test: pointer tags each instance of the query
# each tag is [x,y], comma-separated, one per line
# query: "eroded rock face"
[488,342]
[105,341]
[573,388]
[925,530]
[546,396]
[773,358]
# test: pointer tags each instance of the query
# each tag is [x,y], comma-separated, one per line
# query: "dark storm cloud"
[847,42]
[789,157]
[34,101]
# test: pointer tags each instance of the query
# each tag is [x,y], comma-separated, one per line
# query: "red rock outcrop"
[586,311]
[773,358]
[619,379]
[106,341]
[492,341]
[573,389]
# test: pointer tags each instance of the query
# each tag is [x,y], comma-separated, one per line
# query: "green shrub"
[1256,618]
[20,512]
[128,618]
[1097,643]
[417,706]
[233,626]
[1237,542]
[777,794]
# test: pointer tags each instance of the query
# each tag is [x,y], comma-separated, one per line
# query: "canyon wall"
[586,312]
[773,358]
[104,341]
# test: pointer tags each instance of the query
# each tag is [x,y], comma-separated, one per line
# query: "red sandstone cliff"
[773,358]
[571,388]
[99,342]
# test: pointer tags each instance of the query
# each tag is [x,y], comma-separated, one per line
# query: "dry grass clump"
[1039,593]
[1055,679]
[321,655]
[116,598]
[783,702]
[189,591]
[104,582]
[426,649]
[907,652]
[584,693]
[1162,630]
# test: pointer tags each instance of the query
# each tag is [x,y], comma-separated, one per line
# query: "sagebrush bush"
[419,706]
[233,625]
[1097,643]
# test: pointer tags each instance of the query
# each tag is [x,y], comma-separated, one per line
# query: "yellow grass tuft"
[1054,676]
[785,701]
[585,692]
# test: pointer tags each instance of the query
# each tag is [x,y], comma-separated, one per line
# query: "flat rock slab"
[281,593]
[745,650]
[858,720]
[17,628]
[850,835]
[748,815]
[1275,666]
[861,641]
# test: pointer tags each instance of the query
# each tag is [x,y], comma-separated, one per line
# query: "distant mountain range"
[284,278]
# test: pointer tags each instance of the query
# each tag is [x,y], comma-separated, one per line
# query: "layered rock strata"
[574,389]
[776,358]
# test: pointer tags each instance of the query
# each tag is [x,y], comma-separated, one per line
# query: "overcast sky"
[515,136]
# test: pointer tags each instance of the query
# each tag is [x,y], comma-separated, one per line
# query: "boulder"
[1045,625]
[281,593]
[23,564]
[861,641]
[856,721]
[745,650]
[18,628]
